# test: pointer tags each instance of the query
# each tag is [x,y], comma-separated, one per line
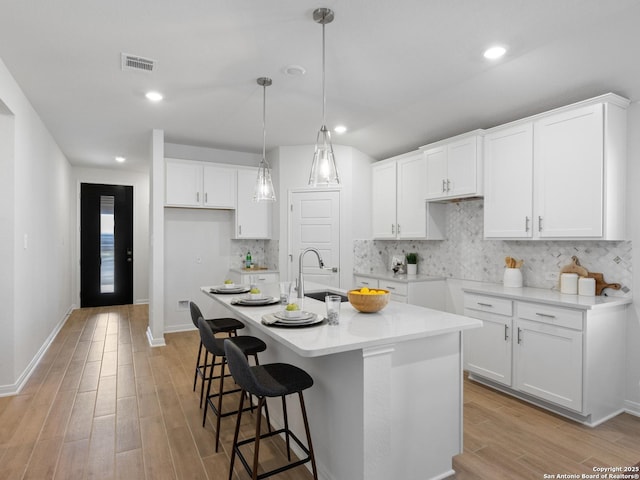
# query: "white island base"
[387,396]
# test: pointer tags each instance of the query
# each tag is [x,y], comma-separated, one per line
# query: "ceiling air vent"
[134,62]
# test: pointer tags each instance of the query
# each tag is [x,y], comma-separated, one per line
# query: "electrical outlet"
[183,305]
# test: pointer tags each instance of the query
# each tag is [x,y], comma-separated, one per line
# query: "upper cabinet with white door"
[454,167]
[199,185]
[399,209]
[253,219]
[558,175]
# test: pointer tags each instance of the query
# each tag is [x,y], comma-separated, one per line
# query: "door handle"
[526,224]
[519,339]
[506,333]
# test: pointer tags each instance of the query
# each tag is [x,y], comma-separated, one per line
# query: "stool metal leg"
[306,428]
[234,446]
[220,394]
[286,427]
[256,451]
[195,375]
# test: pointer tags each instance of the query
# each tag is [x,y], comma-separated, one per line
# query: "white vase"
[512,277]
[412,269]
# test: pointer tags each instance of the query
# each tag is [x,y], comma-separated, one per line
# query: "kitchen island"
[387,395]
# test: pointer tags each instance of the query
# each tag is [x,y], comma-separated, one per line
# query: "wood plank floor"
[103,404]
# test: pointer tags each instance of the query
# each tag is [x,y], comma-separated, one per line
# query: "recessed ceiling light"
[154,96]
[120,159]
[295,70]
[494,53]
[340,129]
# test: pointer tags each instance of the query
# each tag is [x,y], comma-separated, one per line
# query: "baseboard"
[185,327]
[155,342]
[15,388]
[632,408]
[141,301]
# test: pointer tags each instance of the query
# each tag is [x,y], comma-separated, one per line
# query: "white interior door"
[314,219]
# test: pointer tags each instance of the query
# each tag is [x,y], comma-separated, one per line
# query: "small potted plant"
[412,263]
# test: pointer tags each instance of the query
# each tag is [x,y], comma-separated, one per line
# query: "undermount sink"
[320,295]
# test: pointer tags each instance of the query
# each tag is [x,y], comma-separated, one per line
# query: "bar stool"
[218,325]
[271,380]
[247,345]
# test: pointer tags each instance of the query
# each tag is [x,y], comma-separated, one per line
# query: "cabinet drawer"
[366,282]
[500,306]
[562,317]
[397,288]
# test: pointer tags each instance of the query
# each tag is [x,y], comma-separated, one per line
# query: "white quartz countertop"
[404,278]
[548,296]
[252,271]
[397,322]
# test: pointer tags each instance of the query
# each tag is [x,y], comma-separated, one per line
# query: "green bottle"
[247,260]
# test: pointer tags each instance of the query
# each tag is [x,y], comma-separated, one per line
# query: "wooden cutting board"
[601,284]
[574,267]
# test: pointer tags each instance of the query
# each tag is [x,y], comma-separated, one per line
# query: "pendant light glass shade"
[323,169]
[264,191]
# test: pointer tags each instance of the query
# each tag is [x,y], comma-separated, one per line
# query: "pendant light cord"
[264,121]
[324,95]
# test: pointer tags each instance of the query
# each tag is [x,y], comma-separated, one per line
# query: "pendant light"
[323,168]
[264,191]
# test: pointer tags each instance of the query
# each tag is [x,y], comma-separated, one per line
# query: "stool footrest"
[279,469]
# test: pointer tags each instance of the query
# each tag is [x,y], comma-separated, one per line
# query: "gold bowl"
[367,302]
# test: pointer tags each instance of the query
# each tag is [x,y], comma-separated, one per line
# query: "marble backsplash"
[264,253]
[465,254]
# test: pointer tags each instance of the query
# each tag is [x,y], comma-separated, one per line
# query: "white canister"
[587,286]
[512,277]
[569,283]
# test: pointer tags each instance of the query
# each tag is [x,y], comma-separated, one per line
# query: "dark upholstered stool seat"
[271,380]
[218,325]
[246,345]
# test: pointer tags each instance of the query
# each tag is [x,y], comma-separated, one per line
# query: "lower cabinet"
[428,293]
[553,354]
[245,278]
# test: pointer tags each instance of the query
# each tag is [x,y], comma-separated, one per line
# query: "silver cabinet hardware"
[398,229]
[519,339]
[239,229]
[393,229]
[198,197]
[506,333]
[526,224]
[206,197]
[485,305]
[539,223]
[545,315]
[448,185]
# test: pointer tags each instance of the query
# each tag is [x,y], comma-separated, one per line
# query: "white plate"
[273,321]
[256,302]
[234,289]
[282,317]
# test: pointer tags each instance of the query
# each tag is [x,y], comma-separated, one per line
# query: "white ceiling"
[399,74]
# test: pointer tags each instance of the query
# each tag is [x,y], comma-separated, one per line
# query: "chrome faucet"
[300,286]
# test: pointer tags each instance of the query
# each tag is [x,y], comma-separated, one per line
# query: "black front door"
[106,245]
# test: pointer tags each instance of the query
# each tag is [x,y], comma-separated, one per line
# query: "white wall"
[633,229]
[291,167]
[38,212]
[140,183]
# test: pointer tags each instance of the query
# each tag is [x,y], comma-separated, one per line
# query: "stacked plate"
[280,319]
[230,290]
[255,302]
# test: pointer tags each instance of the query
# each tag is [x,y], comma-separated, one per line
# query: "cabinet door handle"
[526,224]
[539,223]
[448,185]
[398,229]
[205,197]
[485,305]
[519,339]
[545,315]
[506,333]
[393,229]
[197,196]
[389,288]
[239,229]
[444,185]
[365,283]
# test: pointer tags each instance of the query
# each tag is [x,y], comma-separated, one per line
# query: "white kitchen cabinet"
[425,293]
[488,350]
[246,277]
[199,185]
[454,167]
[558,175]
[253,219]
[559,357]
[399,210]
